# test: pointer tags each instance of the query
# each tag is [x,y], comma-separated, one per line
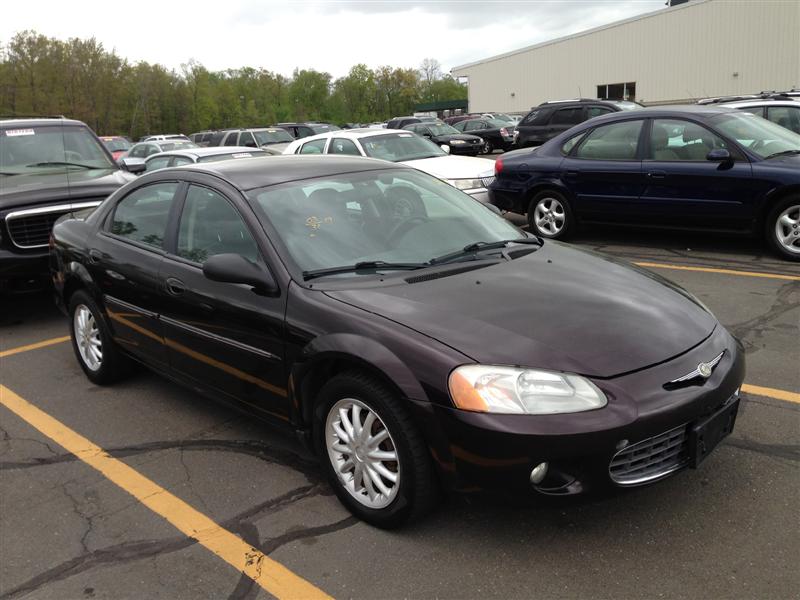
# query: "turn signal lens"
[512,390]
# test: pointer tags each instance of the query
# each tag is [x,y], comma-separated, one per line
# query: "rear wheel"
[94,347]
[783,228]
[488,147]
[550,215]
[375,459]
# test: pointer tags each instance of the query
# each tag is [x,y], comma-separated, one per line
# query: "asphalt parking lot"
[68,530]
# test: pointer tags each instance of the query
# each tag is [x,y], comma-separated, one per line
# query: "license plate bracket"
[706,434]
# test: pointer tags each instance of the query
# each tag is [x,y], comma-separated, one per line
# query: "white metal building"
[699,49]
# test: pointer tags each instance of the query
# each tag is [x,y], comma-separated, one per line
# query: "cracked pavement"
[728,529]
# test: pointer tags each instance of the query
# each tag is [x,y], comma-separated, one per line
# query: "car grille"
[651,459]
[487,181]
[31,228]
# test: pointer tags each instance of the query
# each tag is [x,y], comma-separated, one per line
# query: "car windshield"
[393,216]
[323,128]
[117,145]
[497,123]
[758,135]
[42,149]
[503,117]
[442,129]
[272,136]
[400,146]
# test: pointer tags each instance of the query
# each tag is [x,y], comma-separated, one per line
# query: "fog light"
[538,473]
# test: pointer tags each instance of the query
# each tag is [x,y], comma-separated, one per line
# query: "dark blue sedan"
[678,167]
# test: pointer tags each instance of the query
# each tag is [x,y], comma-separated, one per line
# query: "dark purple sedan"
[414,338]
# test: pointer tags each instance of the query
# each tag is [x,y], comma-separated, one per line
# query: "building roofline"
[641,17]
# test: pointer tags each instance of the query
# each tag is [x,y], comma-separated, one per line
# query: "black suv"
[549,119]
[48,167]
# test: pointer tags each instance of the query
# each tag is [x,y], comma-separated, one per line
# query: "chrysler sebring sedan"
[355,301]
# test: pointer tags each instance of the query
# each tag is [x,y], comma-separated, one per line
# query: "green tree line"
[80,79]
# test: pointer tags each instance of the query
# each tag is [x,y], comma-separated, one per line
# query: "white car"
[467,173]
[779,108]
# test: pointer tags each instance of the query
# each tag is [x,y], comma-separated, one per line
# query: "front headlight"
[457,142]
[512,390]
[466,184]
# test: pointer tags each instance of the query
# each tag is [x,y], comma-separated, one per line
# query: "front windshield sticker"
[16,132]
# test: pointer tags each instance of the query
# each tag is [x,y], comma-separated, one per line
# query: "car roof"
[209,151]
[761,102]
[261,172]
[39,122]
[698,111]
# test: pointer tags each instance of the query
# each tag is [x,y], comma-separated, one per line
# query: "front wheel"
[488,147]
[783,228]
[375,459]
[550,215]
[93,343]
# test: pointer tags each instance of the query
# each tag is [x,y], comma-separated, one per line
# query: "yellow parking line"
[35,346]
[652,265]
[771,393]
[267,573]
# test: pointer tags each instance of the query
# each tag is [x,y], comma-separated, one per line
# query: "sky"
[327,36]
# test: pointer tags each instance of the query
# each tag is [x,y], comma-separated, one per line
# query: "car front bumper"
[481,451]
[23,269]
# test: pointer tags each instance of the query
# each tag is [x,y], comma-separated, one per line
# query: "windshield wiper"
[471,249]
[369,265]
[784,153]
[56,163]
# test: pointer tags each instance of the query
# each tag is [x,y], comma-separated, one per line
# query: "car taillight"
[498,166]
[503,131]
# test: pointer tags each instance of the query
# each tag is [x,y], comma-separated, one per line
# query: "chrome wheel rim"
[787,229]
[362,453]
[487,147]
[549,216]
[87,337]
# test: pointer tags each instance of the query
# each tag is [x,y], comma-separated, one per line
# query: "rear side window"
[142,215]
[181,160]
[216,138]
[530,118]
[785,116]
[567,116]
[314,147]
[231,139]
[615,141]
[596,111]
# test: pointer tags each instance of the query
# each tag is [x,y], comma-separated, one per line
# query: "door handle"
[572,175]
[656,174]
[95,255]
[175,286]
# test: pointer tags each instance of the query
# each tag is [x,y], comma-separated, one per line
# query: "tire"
[550,215]
[782,228]
[414,491]
[112,365]
[488,148]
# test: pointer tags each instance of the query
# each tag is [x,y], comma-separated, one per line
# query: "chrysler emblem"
[704,370]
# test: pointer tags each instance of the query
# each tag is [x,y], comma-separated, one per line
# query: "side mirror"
[133,165]
[446,148]
[719,155]
[235,268]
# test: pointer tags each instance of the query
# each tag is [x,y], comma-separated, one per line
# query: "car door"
[222,336]
[124,259]
[603,170]
[683,188]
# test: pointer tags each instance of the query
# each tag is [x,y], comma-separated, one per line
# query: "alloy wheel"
[787,229]
[549,216]
[362,453]
[87,337]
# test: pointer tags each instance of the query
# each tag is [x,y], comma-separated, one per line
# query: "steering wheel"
[404,227]
[756,145]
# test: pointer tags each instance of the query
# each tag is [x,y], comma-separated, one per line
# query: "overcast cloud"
[327,36]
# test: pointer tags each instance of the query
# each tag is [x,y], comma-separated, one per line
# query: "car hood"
[449,137]
[788,161]
[454,167]
[59,185]
[556,308]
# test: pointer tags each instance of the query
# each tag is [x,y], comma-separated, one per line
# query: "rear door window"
[596,111]
[615,141]
[315,147]
[343,146]
[142,215]
[158,162]
[785,116]
[230,140]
